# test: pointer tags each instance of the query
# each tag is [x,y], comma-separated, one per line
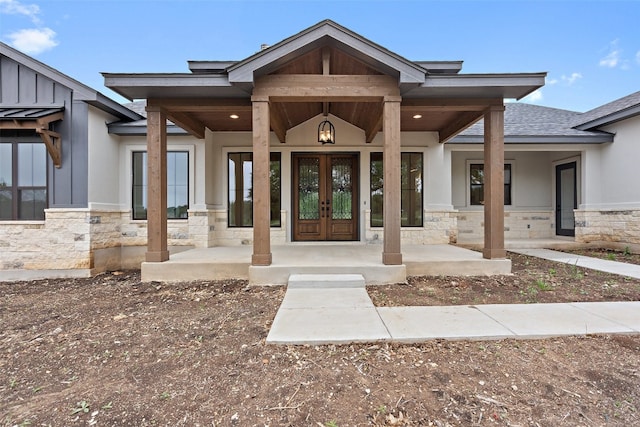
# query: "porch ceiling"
[436,115]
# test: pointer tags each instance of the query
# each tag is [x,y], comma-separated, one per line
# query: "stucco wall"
[610,211]
[105,167]
[617,169]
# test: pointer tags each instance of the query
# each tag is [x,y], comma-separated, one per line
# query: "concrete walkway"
[327,312]
[621,268]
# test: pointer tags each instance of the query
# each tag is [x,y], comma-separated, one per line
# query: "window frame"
[15,188]
[273,157]
[126,186]
[402,190]
[470,163]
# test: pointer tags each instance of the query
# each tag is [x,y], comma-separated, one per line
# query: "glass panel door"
[325,196]
[566,199]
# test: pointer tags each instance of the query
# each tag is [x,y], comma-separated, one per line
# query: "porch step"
[305,281]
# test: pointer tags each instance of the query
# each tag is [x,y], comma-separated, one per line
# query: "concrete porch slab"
[320,258]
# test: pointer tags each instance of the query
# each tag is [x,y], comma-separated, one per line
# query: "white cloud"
[611,59]
[534,97]
[551,81]
[13,7]
[33,41]
[638,57]
[572,78]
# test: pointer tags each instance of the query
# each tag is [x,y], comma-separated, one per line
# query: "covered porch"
[326,70]
[234,262]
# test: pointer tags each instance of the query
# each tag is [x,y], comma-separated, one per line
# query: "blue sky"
[590,49]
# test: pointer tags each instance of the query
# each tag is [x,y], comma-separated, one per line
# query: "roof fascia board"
[537,139]
[210,66]
[488,80]
[450,67]
[125,129]
[243,72]
[118,82]
[516,85]
[610,118]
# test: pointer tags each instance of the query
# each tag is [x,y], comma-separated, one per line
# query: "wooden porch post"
[494,183]
[156,185]
[261,188]
[391,254]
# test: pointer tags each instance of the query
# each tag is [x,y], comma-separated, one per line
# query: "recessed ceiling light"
[234,116]
[417,116]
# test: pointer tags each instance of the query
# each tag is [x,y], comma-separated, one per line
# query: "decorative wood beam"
[187,122]
[278,125]
[320,88]
[326,61]
[326,70]
[53,143]
[460,123]
[373,130]
[52,140]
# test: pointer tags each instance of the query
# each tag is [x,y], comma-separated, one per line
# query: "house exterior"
[229,154]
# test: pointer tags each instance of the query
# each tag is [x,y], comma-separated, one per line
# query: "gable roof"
[81,91]
[326,33]
[614,111]
[535,124]
[230,79]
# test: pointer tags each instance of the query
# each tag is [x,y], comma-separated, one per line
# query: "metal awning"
[37,119]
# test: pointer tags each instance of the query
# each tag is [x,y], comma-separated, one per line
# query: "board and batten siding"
[22,86]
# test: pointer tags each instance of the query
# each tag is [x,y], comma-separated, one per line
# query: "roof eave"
[140,129]
[610,118]
[537,139]
[512,86]
[163,85]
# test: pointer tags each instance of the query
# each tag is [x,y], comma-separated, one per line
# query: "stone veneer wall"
[60,242]
[615,226]
[517,225]
[86,240]
[222,235]
[439,227]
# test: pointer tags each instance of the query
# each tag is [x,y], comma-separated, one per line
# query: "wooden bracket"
[52,141]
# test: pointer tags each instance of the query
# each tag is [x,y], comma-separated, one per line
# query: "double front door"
[325,196]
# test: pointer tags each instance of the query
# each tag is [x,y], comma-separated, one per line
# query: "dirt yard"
[112,351]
